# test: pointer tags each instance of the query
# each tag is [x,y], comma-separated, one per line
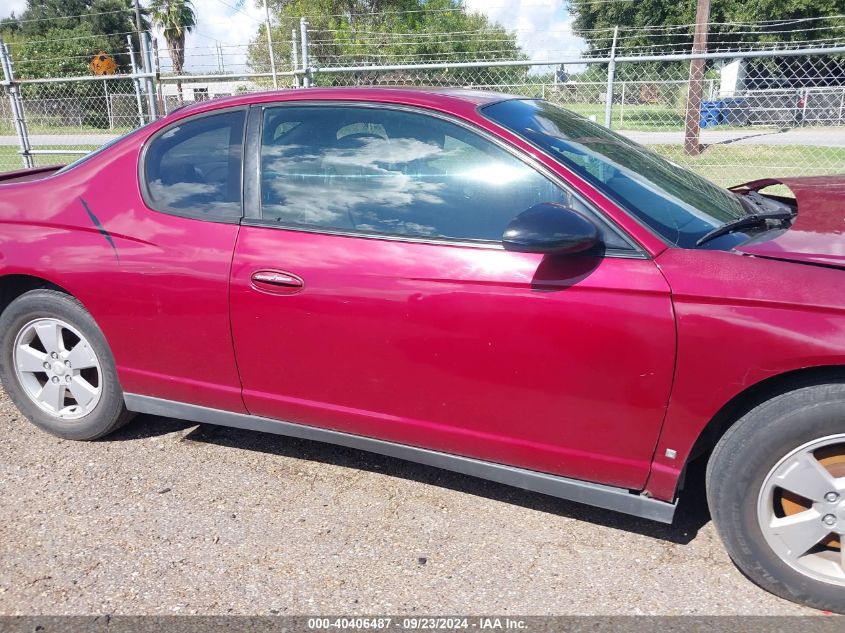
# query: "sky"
[543,29]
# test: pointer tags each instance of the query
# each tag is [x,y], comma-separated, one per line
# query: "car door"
[370,294]
[165,300]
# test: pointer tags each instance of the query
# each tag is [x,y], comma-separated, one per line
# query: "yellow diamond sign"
[102,64]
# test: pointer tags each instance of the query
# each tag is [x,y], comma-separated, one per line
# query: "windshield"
[678,204]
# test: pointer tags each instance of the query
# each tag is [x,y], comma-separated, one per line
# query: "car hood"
[817,236]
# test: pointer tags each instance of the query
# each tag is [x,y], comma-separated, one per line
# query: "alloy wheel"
[801,509]
[57,368]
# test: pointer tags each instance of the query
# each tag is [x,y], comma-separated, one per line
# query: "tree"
[371,32]
[645,28]
[61,52]
[115,19]
[176,18]
[594,21]
[10,31]
[42,16]
[58,38]
[64,52]
[62,27]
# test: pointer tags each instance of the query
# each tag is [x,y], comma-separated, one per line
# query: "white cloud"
[543,27]
[12,6]
[217,22]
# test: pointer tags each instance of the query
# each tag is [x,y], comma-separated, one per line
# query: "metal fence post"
[840,120]
[306,66]
[622,107]
[611,74]
[109,113]
[151,93]
[160,100]
[806,93]
[136,83]
[294,56]
[17,106]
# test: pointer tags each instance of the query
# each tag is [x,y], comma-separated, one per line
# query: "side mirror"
[550,228]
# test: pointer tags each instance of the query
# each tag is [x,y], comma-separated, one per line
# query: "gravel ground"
[169,517]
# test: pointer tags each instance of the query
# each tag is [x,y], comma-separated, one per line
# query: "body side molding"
[608,497]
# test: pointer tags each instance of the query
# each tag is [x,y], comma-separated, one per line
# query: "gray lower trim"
[599,495]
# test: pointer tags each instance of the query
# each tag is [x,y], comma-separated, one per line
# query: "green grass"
[729,165]
[10,160]
[640,118]
[8,129]
[632,117]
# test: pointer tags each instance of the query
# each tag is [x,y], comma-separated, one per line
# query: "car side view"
[480,282]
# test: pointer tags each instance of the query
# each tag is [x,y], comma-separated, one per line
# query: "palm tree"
[175,18]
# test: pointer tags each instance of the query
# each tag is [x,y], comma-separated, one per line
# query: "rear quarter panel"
[156,284]
[740,320]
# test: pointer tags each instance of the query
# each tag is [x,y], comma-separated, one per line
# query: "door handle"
[276,282]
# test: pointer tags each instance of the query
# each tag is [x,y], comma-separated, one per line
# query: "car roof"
[450,99]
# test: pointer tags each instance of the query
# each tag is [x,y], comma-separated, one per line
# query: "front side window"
[392,172]
[194,167]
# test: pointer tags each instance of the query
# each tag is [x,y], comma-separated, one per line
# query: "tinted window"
[194,167]
[394,172]
[678,204]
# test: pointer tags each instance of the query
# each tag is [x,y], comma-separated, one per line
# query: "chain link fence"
[737,116]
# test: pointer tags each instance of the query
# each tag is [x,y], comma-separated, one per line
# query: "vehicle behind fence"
[762,113]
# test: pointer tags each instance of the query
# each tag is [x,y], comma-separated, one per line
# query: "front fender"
[741,320]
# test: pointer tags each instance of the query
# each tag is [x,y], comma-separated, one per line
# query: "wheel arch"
[757,394]
[13,286]
[104,418]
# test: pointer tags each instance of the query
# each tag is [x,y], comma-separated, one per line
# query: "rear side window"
[193,168]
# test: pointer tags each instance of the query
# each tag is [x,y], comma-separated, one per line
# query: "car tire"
[769,499]
[79,402]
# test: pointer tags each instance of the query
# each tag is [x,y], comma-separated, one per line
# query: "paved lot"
[813,136]
[167,517]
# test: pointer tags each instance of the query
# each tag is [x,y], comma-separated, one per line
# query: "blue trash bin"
[735,111]
[710,113]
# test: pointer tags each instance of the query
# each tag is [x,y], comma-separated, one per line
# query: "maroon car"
[480,282]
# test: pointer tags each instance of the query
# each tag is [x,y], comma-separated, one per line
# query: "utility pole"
[270,45]
[692,131]
[144,65]
[135,81]
[219,49]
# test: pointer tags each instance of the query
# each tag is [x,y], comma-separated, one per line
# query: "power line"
[231,6]
[67,17]
[68,39]
[589,2]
